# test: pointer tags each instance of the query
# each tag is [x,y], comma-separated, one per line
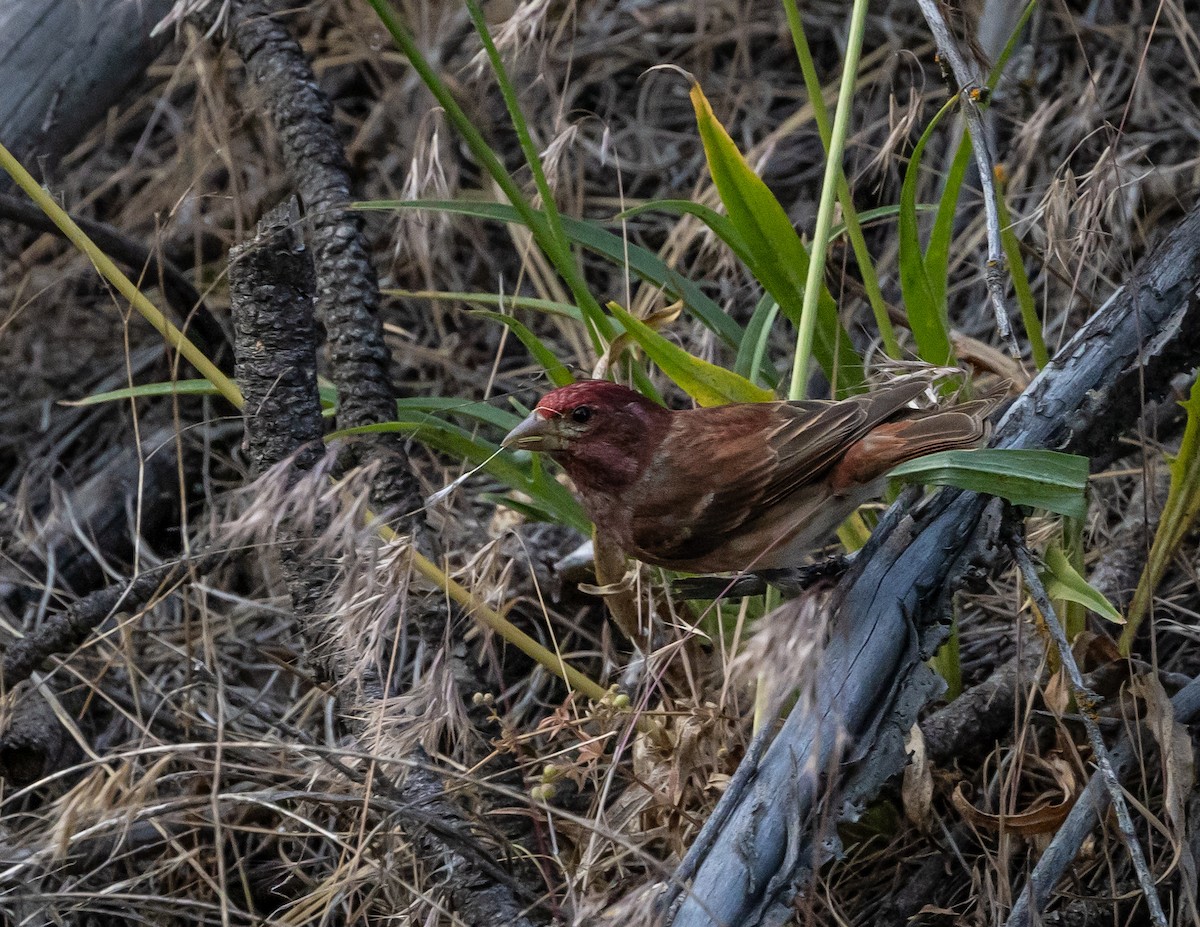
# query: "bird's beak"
[539,432]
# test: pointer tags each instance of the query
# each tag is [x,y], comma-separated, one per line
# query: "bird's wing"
[813,436]
[723,468]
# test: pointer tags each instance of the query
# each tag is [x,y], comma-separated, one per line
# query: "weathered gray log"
[63,63]
[872,682]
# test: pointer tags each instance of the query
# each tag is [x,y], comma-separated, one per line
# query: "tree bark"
[872,683]
[63,63]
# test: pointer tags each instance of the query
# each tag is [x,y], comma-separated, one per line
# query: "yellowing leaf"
[1062,581]
[707,383]
[770,247]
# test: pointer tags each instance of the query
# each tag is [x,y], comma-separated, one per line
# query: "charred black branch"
[872,681]
[271,294]
[347,288]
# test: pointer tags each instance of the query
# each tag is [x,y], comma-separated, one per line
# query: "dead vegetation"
[186,764]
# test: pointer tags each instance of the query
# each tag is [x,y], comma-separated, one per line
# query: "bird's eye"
[581,414]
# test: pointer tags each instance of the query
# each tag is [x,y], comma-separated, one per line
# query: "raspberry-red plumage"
[741,486]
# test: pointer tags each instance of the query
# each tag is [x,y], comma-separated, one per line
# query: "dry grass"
[194,782]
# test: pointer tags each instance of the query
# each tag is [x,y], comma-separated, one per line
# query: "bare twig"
[1086,700]
[61,632]
[1084,816]
[970,82]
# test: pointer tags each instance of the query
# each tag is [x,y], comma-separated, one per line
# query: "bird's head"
[602,433]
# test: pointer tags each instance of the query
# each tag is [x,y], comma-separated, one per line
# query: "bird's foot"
[791,581]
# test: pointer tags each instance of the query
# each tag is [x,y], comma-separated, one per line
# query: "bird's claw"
[791,582]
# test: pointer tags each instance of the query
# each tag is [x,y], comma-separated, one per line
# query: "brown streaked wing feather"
[768,451]
[816,439]
[892,444]
[692,517]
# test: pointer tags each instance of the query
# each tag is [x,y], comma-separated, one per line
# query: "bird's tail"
[893,443]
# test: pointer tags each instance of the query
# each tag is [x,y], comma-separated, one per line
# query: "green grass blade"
[1179,514]
[777,257]
[449,439]
[529,508]
[555,369]
[721,226]
[1016,269]
[707,383]
[753,350]
[937,255]
[535,220]
[148,390]
[947,661]
[924,300]
[411,408]
[644,263]
[853,221]
[532,156]
[1046,480]
[493,300]
[814,285]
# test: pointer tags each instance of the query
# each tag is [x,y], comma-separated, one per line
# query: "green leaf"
[1046,480]
[707,383]
[1062,581]
[872,215]
[529,508]
[721,226]
[497,301]
[644,263]
[146,390]
[774,253]
[924,301]
[1016,268]
[1179,514]
[751,354]
[947,660]
[555,369]
[854,219]
[518,471]
[470,409]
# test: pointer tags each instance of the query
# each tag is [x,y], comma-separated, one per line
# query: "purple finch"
[745,486]
[748,486]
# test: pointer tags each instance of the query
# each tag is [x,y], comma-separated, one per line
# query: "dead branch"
[271,293]
[347,288]
[872,682]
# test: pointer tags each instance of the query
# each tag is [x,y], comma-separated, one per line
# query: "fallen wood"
[872,682]
[63,64]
